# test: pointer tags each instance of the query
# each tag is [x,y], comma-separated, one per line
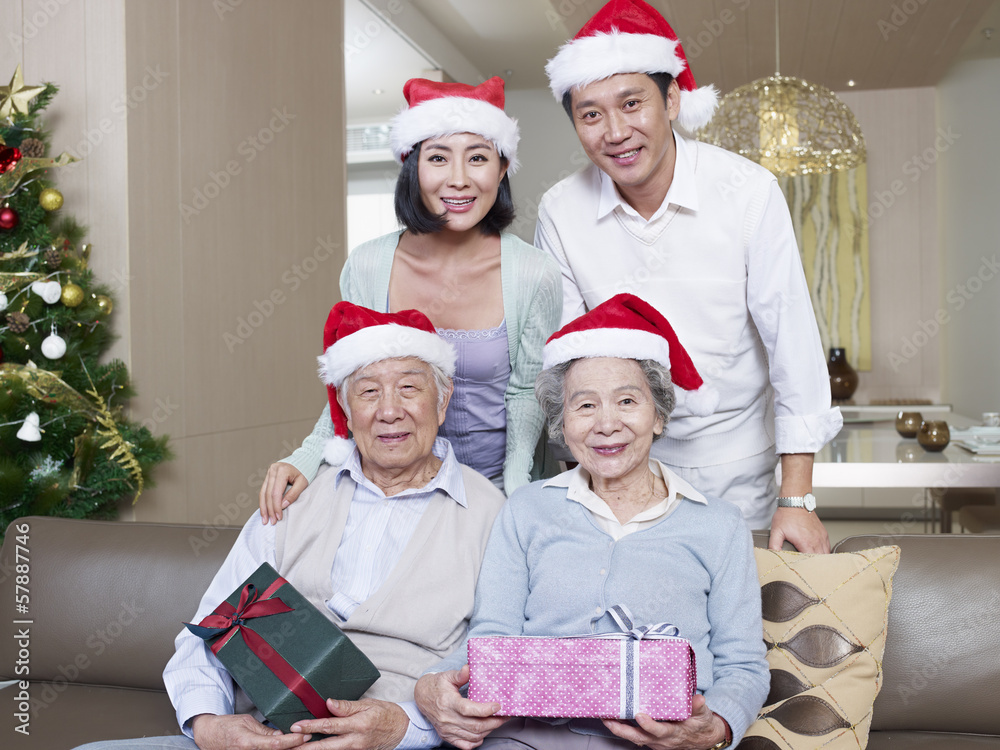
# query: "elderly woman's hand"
[702,730]
[459,721]
[282,485]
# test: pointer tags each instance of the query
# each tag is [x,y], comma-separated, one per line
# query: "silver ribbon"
[630,637]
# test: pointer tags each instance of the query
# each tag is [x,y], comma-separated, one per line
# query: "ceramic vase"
[843,377]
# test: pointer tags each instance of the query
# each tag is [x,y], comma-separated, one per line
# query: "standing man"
[704,236]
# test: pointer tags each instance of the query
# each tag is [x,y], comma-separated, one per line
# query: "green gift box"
[286,655]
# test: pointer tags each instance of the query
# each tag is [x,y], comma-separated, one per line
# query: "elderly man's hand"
[458,720]
[240,732]
[800,527]
[366,724]
[702,730]
[274,497]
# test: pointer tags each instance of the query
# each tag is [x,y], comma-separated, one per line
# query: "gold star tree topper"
[15,97]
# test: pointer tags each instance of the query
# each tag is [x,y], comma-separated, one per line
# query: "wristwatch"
[807,501]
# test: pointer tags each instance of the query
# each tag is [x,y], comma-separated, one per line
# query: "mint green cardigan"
[532,301]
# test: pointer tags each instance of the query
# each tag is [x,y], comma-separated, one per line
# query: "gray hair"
[551,394]
[441,381]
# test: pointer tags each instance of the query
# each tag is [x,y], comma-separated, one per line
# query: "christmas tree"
[67,447]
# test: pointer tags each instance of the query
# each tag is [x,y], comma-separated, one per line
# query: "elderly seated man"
[396,523]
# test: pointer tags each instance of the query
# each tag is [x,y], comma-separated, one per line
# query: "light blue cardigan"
[549,570]
[532,301]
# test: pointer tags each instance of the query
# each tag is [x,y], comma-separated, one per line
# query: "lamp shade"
[788,125]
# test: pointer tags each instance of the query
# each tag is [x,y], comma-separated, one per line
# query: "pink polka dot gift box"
[607,676]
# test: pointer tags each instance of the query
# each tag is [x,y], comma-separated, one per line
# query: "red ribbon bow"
[254,604]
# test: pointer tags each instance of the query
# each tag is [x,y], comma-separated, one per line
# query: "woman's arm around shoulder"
[532,303]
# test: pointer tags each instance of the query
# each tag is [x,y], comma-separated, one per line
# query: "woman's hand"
[458,720]
[701,730]
[274,496]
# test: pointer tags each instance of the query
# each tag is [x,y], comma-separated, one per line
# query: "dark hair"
[414,215]
[663,81]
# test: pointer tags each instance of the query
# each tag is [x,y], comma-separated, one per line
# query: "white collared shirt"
[577,484]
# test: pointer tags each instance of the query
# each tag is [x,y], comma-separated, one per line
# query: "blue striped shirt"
[377,531]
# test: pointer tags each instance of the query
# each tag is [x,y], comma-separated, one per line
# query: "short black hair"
[414,215]
[663,81]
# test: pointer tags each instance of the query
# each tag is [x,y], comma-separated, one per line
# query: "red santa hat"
[630,328]
[355,337]
[630,36]
[435,109]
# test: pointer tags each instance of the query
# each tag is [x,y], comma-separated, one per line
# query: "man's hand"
[274,496]
[366,724]
[800,527]
[459,721]
[240,732]
[701,730]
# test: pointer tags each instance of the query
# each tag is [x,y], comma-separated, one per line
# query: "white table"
[869,465]
[872,454]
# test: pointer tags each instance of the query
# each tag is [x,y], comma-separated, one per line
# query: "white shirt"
[577,482]
[375,535]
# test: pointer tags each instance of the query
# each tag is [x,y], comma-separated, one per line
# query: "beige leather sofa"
[105,601]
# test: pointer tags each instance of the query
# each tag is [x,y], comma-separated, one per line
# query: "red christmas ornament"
[9,157]
[8,218]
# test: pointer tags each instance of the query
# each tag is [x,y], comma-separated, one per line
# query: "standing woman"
[496,298]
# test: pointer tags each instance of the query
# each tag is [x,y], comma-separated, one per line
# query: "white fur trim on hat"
[580,62]
[375,343]
[337,450]
[606,342]
[455,114]
[697,107]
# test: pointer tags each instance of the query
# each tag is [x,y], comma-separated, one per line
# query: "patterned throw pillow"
[825,621]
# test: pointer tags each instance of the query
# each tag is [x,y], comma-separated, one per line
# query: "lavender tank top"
[476,422]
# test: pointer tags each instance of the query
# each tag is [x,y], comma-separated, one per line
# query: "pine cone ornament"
[33,148]
[53,258]
[18,322]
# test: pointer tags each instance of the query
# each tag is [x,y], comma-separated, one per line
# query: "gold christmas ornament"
[104,304]
[50,199]
[15,96]
[72,295]
[788,125]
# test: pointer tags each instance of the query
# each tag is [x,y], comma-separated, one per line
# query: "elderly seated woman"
[619,529]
